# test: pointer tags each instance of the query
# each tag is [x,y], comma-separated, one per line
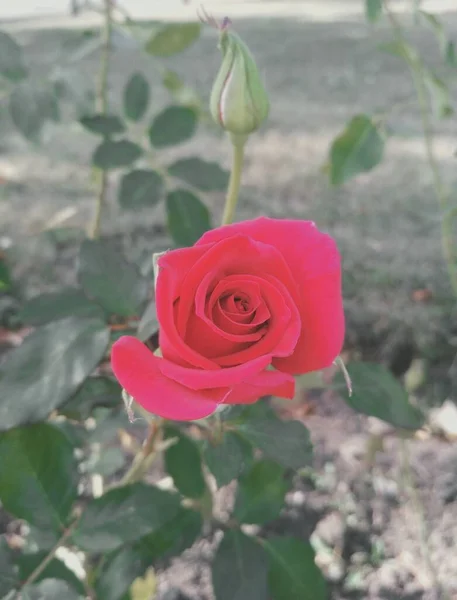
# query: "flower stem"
[238,144]
[102,108]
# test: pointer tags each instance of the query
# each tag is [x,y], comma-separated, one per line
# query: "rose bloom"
[240,313]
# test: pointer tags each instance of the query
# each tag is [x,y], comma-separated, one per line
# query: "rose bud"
[239,102]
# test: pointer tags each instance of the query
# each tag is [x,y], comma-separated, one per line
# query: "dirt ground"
[319,73]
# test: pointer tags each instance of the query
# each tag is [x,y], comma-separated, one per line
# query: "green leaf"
[11,58]
[30,106]
[373,10]
[136,97]
[5,276]
[55,569]
[38,478]
[377,393]
[148,324]
[260,494]
[140,188]
[183,463]
[450,55]
[48,367]
[8,574]
[124,515]
[293,574]
[173,38]
[172,126]
[239,569]
[228,459]
[438,30]
[106,461]
[206,176]
[114,283]
[105,125]
[54,306]
[131,562]
[112,154]
[50,589]
[94,392]
[357,150]
[187,217]
[440,95]
[183,94]
[286,442]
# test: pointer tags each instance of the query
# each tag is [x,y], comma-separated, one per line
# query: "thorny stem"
[102,108]
[448,214]
[238,143]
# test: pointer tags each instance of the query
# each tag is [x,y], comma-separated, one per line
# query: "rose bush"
[241,312]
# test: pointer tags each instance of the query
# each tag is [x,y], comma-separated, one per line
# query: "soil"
[382,533]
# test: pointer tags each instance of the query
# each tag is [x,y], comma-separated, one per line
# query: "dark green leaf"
[112,154]
[286,442]
[124,515]
[38,478]
[49,366]
[107,277]
[183,463]
[229,458]
[293,574]
[54,306]
[450,55]
[260,494]
[358,149]
[56,569]
[172,126]
[30,107]
[187,217]
[206,176]
[173,38]
[105,125]
[129,563]
[95,392]
[377,393]
[136,97]
[50,589]
[373,10]
[106,461]
[148,324]
[5,276]
[140,188]
[11,58]
[239,569]
[8,573]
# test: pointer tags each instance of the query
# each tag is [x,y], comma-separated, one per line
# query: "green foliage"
[8,573]
[187,217]
[358,149]
[105,125]
[172,126]
[112,154]
[206,176]
[123,515]
[239,569]
[55,569]
[52,362]
[286,442]
[377,393]
[173,38]
[140,188]
[108,278]
[136,97]
[54,306]
[5,276]
[228,458]
[95,392]
[293,574]
[183,463]
[12,65]
[261,492]
[31,106]
[50,589]
[39,485]
[373,10]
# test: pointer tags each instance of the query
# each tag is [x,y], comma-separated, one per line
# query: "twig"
[102,108]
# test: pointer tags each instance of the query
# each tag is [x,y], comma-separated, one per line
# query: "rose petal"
[138,371]
[314,260]
[266,383]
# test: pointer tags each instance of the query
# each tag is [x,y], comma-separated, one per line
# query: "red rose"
[257,294]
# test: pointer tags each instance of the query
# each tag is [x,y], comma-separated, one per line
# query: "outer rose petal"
[314,260]
[267,383]
[138,371]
